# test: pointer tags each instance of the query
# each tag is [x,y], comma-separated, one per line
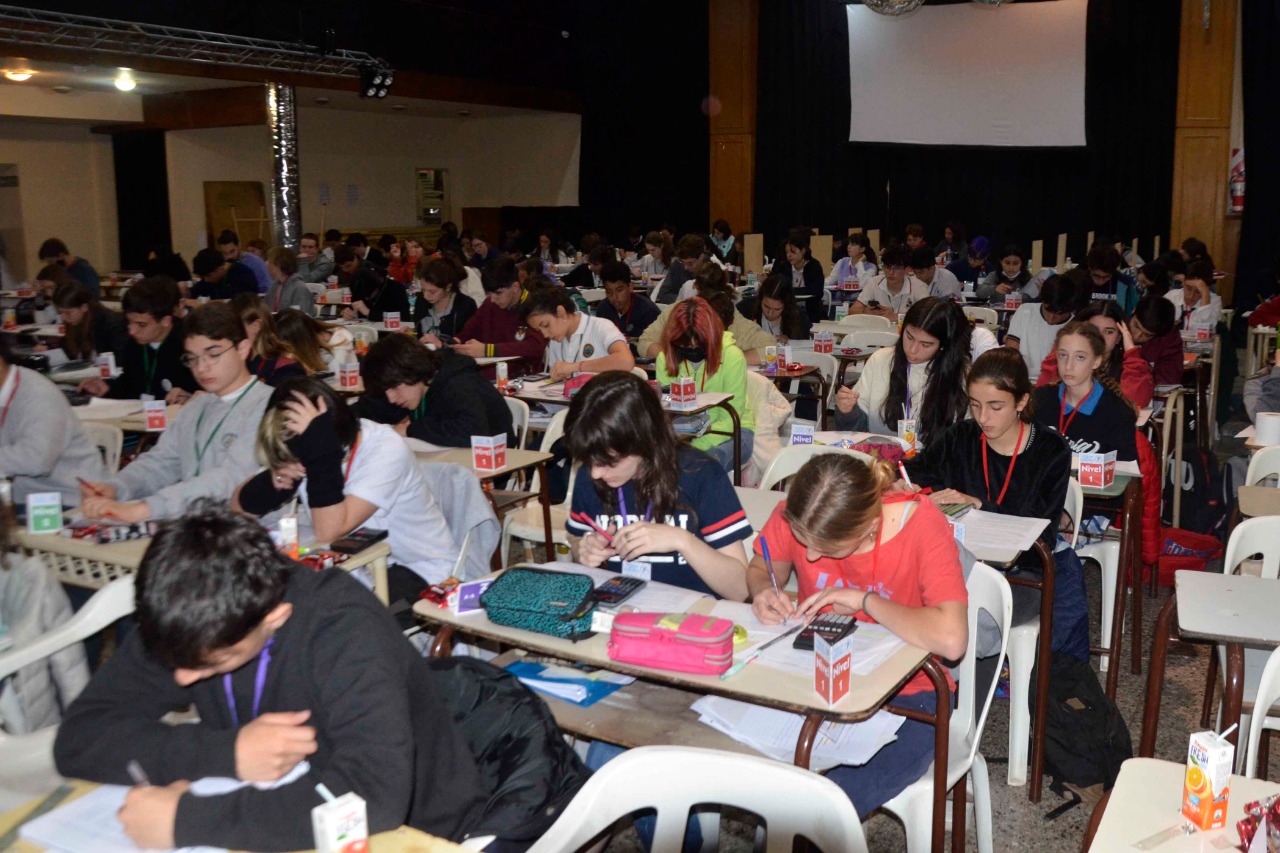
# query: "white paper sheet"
[1247,432]
[995,532]
[872,645]
[101,408]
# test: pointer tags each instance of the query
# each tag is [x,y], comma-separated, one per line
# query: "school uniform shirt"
[382,470]
[807,281]
[83,272]
[918,567]
[863,271]
[292,293]
[208,449]
[1037,483]
[383,727]
[730,379]
[431,320]
[709,509]
[1100,424]
[108,333]
[43,446]
[980,340]
[1035,336]
[1201,315]
[592,340]
[877,290]
[503,332]
[639,316]
[873,388]
[154,369]
[945,285]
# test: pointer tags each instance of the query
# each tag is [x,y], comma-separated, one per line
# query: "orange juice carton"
[156,412]
[831,664]
[488,452]
[341,825]
[107,365]
[1208,781]
[349,375]
[1097,470]
[684,394]
[391,321]
[824,342]
[500,372]
[907,432]
[771,359]
[288,530]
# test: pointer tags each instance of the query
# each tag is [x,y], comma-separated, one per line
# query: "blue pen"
[768,564]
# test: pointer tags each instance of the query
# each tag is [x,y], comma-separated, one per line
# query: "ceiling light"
[19,75]
[125,81]
[375,80]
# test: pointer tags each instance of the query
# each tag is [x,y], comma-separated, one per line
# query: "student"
[399,267]
[55,251]
[586,275]
[43,447]
[690,253]
[1013,275]
[777,313]
[920,378]
[682,523]
[316,345]
[1002,461]
[498,327]
[941,283]
[1153,328]
[229,244]
[806,272]
[631,312]
[220,607]
[438,396]
[163,260]
[696,344]
[91,329]
[548,250]
[973,266]
[270,358]
[1194,249]
[314,265]
[209,446]
[1153,278]
[749,337]
[576,342]
[1034,326]
[893,292]
[39,308]
[441,311]
[1195,304]
[1103,263]
[661,254]
[885,557]
[366,253]
[953,244]
[914,237]
[289,286]
[724,241]
[151,365]
[371,294]
[1123,363]
[218,278]
[1087,407]
[859,262]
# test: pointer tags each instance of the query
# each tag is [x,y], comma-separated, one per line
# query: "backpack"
[1206,502]
[1085,739]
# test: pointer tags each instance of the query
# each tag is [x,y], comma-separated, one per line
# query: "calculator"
[832,627]
[614,591]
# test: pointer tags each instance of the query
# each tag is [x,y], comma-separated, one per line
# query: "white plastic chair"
[519,420]
[988,591]
[791,459]
[873,322]
[986,316]
[1265,463]
[640,372]
[791,801]
[592,295]
[827,366]
[526,522]
[1267,696]
[110,440]
[869,339]
[363,332]
[26,761]
[1106,553]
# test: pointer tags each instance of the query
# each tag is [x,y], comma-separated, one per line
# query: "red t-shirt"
[919,567]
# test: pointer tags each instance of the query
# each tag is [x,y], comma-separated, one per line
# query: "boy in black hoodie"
[291,671]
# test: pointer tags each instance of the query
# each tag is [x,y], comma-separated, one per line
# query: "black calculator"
[832,627]
[614,591]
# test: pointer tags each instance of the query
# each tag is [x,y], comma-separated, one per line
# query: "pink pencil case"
[680,642]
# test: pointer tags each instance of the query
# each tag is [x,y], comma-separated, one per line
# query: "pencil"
[90,486]
[737,667]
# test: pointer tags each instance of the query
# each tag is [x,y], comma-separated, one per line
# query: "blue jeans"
[723,452]
[895,766]
[1070,604]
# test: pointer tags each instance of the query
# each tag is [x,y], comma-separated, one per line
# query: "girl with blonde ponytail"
[1087,407]
[885,556]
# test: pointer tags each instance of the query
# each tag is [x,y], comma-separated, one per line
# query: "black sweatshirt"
[383,729]
[1103,423]
[1037,488]
[166,361]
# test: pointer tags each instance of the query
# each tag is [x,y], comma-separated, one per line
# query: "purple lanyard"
[259,683]
[622,506]
[908,401]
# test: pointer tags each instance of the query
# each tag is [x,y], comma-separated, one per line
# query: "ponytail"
[836,497]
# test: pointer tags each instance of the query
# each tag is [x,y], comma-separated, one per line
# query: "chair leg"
[981,804]
[1210,684]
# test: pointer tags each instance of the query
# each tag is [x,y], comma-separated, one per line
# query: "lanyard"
[622,507]
[279,296]
[346,475]
[907,403]
[202,449]
[17,382]
[422,407]
[1062,409]
[986,476]
[259,683]
[150,361]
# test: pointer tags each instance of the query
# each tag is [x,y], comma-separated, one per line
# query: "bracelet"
[863,605]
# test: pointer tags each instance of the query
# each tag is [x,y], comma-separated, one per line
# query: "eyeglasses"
[209,356]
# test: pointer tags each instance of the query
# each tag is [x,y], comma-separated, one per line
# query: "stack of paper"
[774,733]
[89,825]
[993,531]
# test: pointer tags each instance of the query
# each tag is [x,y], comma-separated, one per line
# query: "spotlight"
[375,80]
[19,75]
[125,81]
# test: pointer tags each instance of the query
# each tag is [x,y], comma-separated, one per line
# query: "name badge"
[637,569]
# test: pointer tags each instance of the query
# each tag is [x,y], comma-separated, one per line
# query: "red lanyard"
[1063,427]
[888,498]
[346,475]
[17,381]
[986,476]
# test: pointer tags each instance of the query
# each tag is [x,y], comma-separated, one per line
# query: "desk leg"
[1232,690]
[1177,461]
[736,438]
[824,388]
[378,568]
[1133,533]
[959,804]
[544,498]
[442,646]
[941,750]
[1044,655]
[1202,406]
[808,733]
[1155,677]
[1094,820]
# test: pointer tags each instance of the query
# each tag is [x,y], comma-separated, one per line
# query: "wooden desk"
[403,840]
[845,359]
[1259,348]
[1257,501]
[87,564]
[756,683]
[1147,799]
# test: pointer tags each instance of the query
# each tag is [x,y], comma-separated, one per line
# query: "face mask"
[693,355]
[1012,276]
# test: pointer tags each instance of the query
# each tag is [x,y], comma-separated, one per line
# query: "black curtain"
[1120,183]
[1260,231]
[142,194]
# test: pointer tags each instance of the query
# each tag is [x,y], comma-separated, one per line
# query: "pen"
[902,469]
[137,774]
[90,486]
[586,519]
[768,564]
[737,667]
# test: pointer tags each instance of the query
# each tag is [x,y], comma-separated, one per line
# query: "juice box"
[341,826]
[771,359]
[1208,781]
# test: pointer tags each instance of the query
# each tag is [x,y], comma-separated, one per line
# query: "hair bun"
[883,474]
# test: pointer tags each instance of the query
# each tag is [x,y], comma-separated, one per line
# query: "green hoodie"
[731,378]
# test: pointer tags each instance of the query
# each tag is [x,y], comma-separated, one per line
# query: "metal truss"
[21,26]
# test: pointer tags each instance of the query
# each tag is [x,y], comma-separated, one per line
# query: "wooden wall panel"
[1199,184]
[732,168]
[732,64]
[1205,64]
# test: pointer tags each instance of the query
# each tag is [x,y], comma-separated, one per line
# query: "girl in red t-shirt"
[888,557]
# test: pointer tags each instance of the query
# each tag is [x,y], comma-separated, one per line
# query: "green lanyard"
[150,361]
[422,407]
[200,450]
